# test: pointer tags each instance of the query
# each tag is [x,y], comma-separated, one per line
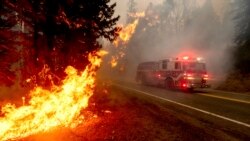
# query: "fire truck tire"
[190,89]
[169,83]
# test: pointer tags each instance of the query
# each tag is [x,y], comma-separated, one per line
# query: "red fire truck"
[184,73]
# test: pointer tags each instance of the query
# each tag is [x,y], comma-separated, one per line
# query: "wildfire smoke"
[137,14]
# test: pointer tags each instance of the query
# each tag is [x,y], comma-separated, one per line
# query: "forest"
[39,37]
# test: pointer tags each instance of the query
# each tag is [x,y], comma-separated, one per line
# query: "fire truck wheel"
[169,83]
[190,90]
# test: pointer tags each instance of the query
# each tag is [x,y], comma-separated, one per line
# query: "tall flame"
[124,36]
[49,109]
[126,33]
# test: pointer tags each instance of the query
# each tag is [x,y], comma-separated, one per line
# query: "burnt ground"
[115,114]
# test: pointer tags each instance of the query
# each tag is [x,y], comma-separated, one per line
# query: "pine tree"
[60,32]
[242,40]
[131,10]
[8,42]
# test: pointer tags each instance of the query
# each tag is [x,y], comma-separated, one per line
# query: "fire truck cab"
[183,73]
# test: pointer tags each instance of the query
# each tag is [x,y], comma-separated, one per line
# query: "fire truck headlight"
[199,59]
[205,77]
[190,78]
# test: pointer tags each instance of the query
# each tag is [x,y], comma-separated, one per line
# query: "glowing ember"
[49,109]
[113,62]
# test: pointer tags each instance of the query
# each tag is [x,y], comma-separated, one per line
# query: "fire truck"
[185,73]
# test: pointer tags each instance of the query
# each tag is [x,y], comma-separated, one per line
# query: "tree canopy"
[242,40]
[54,33]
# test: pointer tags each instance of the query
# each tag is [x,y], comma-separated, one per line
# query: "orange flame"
[113,62]
[49,109]
[127,32]
[124,36]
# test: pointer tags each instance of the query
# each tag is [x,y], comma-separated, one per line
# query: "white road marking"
[225,98]
[225,92]
[187,106]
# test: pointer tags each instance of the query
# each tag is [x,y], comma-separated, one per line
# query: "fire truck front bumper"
[196,82]
[198,85]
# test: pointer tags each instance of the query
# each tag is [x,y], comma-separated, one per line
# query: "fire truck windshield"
[194,66]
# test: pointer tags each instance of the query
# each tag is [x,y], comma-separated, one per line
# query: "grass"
[122,115]
[236,82]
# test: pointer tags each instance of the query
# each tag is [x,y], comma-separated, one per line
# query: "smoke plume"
[175,28]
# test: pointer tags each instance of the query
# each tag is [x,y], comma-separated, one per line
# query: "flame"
[124,36]
[113,62]
[126,33]
[50,109]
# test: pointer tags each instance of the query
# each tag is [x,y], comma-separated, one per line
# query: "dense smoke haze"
[173,28]
[141,5]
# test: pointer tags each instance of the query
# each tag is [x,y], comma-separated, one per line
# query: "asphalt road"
[231,108]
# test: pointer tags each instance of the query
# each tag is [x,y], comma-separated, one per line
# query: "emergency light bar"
[187,58]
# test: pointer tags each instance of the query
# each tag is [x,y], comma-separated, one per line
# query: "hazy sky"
[122,7]
[206,42]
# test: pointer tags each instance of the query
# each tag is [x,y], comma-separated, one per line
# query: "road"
[223,107]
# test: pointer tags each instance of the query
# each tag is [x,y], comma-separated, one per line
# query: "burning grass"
[49,109]
[115,114]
